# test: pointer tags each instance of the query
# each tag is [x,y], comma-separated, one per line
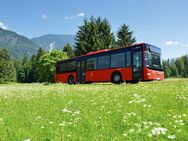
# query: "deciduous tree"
[47,65]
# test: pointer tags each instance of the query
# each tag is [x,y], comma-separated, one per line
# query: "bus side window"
[91,64]
[71,66]
[118,60]
[104,62]
[128,59]
[63,67]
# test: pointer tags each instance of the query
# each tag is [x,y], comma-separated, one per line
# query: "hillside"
[54,41]
[17,45]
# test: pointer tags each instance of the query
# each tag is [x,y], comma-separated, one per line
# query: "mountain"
[17,45]
[54,41]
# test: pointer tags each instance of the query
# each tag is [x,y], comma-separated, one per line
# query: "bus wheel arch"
[116,77]
[71,79]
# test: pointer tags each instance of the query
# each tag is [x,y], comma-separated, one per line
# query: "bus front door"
[80,72]
[137,69]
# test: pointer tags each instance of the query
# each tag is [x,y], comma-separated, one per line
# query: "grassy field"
[96,112]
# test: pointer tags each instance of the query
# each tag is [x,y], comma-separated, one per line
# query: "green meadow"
[147,111]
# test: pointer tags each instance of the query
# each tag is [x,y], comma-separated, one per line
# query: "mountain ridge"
[54,41]
[17,45]
[20,46]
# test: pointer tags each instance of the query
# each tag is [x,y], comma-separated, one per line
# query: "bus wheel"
[116,78]
[71,80]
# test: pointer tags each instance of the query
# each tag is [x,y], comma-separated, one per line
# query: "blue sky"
[159,22]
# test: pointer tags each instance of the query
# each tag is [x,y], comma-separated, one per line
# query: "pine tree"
[180,66]
[24,72]
[33,74]
[40,54]
[174,69]
[94,35]
[125,36]
[185,62]
[69,50]
[7,69]
[166,69]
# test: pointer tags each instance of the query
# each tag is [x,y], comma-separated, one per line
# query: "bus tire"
[71,80]
[116,78]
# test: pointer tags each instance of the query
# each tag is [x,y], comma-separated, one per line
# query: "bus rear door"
[80,71]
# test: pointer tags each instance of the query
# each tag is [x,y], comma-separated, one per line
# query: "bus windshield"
[153,58]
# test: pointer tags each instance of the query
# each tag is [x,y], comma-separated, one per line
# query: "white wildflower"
[131,114]
[132,101]
[159,130]
[27,140]
[65,110]
[50,122]
[1,120]
[175,116]
[125,135]
[184,115]
[136,95]
[149,135]
[62,124]
[171,137]
[131,131]
[179,121]
[145,105]
[149,106]
[77,112]
[39,117]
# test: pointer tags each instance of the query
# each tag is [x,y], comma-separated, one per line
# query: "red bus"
[139,62]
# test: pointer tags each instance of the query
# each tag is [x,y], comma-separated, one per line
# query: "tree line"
[95,34]
[39,68]
[177,67]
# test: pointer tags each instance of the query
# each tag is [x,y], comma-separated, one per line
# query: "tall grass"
[105,112]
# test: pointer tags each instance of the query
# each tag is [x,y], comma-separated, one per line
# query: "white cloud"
[3,26]
[74,16]
[81,14]
[176,43]
[44,16]
[171,43]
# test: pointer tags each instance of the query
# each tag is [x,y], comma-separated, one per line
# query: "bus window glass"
[57,68]
[104,62]
[118,60]
[137,61]
[71,66]
[91,64]
[128,59]
[63,67]
[153,60]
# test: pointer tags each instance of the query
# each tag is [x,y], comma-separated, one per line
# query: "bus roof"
[102,51]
